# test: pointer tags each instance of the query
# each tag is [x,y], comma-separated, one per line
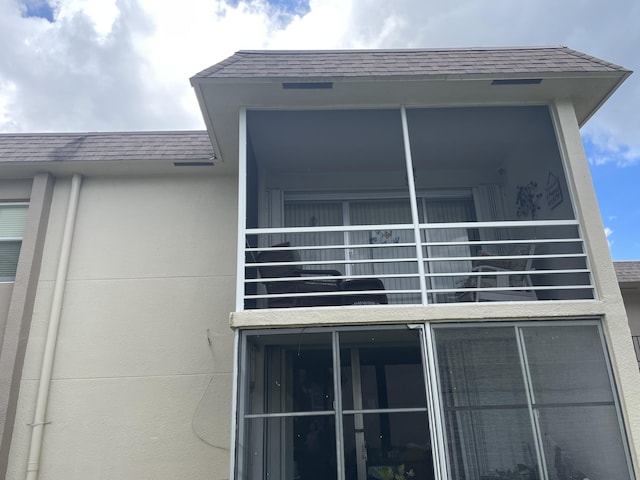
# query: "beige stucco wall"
[5,296]
[137,392]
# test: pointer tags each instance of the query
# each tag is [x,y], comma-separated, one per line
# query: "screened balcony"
[412,206]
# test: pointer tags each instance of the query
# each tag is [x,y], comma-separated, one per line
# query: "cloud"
[125,64]
[608,232]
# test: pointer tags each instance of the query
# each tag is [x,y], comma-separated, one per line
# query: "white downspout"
[39,420]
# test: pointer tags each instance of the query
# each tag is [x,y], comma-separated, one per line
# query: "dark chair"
[279,287]
[299,284]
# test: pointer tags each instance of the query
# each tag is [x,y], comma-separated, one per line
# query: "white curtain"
[490,207]
[381,212]
[448,211]
[316,214]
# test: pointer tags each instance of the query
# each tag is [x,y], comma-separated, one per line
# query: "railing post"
[414,206]
[242,209]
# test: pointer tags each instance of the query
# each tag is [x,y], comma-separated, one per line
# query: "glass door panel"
[309,448]
[386,425]
[574,403]
[486,414]
[395,443]
[288,417]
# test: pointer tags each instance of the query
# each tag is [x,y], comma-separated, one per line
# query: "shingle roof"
[52,147]
[426,62]
[627,271]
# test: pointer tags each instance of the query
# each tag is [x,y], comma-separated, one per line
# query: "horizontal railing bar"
[332,277]
[500,224]
[347,293]
[330,247]
[482,243]
[487,258]
[365,411]
[408,226]
[331,262]
[338,293]
[470,243]
[504,272]
[316,413]
[10,239]
[516,289]
[327,229]
[505,257]
[416,275]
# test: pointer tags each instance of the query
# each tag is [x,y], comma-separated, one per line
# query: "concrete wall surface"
[142,375]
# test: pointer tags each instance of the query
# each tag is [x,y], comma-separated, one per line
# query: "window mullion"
[337,404]
[533,412]
[237,460]
[434,407]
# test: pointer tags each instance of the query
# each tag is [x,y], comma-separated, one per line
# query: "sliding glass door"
[520,401]
[303,419]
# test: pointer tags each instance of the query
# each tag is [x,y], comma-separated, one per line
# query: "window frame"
[14,239]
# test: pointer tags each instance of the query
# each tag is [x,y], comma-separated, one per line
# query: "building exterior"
[373,263]
[628,274]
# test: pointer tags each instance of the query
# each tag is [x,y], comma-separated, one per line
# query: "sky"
[113,65]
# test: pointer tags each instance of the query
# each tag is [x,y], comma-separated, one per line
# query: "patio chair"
[301,285]
[493,273]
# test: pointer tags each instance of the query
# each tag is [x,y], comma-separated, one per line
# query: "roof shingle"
[365,63]
[628,271]
[56,147]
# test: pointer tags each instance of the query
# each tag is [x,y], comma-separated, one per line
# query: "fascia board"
[606,97]
[207,121]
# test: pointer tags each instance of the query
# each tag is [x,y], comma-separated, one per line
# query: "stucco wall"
[5,297]
[137,391]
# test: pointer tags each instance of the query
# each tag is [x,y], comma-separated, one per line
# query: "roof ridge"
[388,50]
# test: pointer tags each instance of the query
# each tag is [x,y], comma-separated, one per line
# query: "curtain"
[485,406]
[490,207]
[448,211]
[381,212]
[316,214]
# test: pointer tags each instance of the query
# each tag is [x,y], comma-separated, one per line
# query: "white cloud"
[608,232]
[125,64]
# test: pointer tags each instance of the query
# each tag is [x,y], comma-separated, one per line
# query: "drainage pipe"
[39,420]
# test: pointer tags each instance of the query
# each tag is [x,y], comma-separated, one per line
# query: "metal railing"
[421,264]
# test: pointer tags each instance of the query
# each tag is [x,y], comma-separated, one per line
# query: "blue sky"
[618,191]
[38,9]
[110,65]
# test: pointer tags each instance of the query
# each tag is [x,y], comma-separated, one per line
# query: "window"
[401,276]
[519,401]
[13,217]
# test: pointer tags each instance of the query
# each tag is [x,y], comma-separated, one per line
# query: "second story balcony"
[412,206]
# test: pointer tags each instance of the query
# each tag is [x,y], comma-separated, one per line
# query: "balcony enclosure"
[409,206]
